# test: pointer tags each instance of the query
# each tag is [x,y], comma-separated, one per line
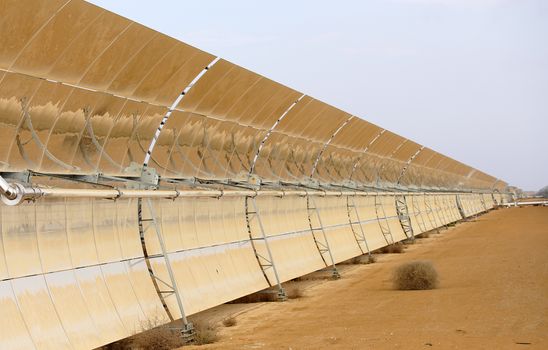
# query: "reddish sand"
[493,295]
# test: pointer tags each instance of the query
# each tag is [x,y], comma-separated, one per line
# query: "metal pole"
[7,190]
[15,193]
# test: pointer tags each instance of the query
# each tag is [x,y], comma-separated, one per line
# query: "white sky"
[467,78]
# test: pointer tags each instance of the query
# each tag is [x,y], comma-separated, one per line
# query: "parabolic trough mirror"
[145,179]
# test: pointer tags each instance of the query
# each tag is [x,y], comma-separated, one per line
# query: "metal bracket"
[23,177]
[254,180]
[350,184]
[93,178]
[245,177]
[150,176]
[311,183]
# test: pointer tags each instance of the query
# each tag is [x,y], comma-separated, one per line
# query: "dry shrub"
[205,333]
[229,322]
[415,275]
[314,277]
[396,248]
[159,338]
[293,292]
[153,334]
[361,260]
[357,260]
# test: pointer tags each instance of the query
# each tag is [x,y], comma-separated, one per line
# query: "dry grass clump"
[154,334]
[164,337]
[314,276]
[160,338]
[205,333]
[361,260]
[293,292]
[229,322]
[415,275]
[396,248]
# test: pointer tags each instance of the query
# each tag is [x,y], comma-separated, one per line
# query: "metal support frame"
[150,176]
[460,207]
[359,234]
[323,247]
[146,222]
[387,233]
[403,216]
[495,202]
[264,262]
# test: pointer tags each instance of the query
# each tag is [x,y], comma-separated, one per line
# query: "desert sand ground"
[493,294]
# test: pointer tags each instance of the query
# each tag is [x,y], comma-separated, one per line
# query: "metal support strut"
[267,262]
[321,242]
[387,233]
[359,234]
[460,207]
[403,216]
[147,222]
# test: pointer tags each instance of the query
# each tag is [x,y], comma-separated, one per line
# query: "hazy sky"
[467,78]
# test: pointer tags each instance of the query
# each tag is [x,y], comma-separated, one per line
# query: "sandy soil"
[493,295]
